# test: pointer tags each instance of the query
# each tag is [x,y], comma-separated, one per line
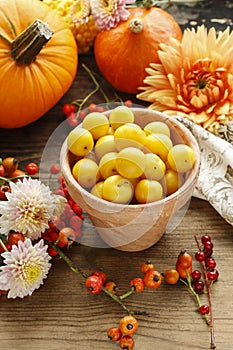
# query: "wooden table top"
[62,315]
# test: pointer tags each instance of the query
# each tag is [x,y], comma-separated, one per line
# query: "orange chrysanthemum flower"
[194,78]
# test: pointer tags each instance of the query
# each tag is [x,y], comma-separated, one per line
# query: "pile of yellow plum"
[121,162]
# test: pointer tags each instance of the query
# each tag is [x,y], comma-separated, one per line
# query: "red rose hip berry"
[114,334]
[128,325]
[126,342]
[94,284]
[152,279]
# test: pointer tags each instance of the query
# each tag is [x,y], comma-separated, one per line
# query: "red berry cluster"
[72,215]
[204,256]
[210,273]
[65,229]
[74,117]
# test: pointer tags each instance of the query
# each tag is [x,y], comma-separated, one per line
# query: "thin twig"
[97,86]
[81,102]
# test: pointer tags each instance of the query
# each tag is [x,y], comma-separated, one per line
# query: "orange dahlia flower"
[194,78]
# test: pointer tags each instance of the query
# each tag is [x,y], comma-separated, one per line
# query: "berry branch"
[208,286]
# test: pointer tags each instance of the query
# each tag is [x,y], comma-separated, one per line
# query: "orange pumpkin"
[123,53]
[38,61]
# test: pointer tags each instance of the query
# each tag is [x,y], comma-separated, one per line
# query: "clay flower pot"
[134,227]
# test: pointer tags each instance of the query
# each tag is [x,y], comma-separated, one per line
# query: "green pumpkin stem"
[29,43]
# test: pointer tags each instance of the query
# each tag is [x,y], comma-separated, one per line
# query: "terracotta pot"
[134,227]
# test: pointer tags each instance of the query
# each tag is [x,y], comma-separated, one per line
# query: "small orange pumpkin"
[123,53]
[38,60]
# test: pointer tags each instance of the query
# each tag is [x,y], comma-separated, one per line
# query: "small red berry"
[76,222]
[137,284]
[8,247]
[2,250]
[196,275]
[205,238]
[52,226]
[55,169]
[208,245]
[52,252]
[114,334]
[128,103]
[100,109]
[128,325]
[200,256]
[57,222]
[68,108]
[152,279]
[198,286]
[204,309]
[61,180]
[94,284]
[77,209]
[32,168]
[92,107]
[59,191]
[210,263]
[126,342]
[212,275]
[81,114]
[208,253]
[15,237]
[72,119]
[53,235]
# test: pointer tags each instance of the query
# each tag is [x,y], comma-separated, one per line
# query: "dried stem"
[97,87]
[81,102]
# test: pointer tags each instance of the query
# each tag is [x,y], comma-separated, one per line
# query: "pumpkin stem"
[136,25]
[29,43]
[148,3]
